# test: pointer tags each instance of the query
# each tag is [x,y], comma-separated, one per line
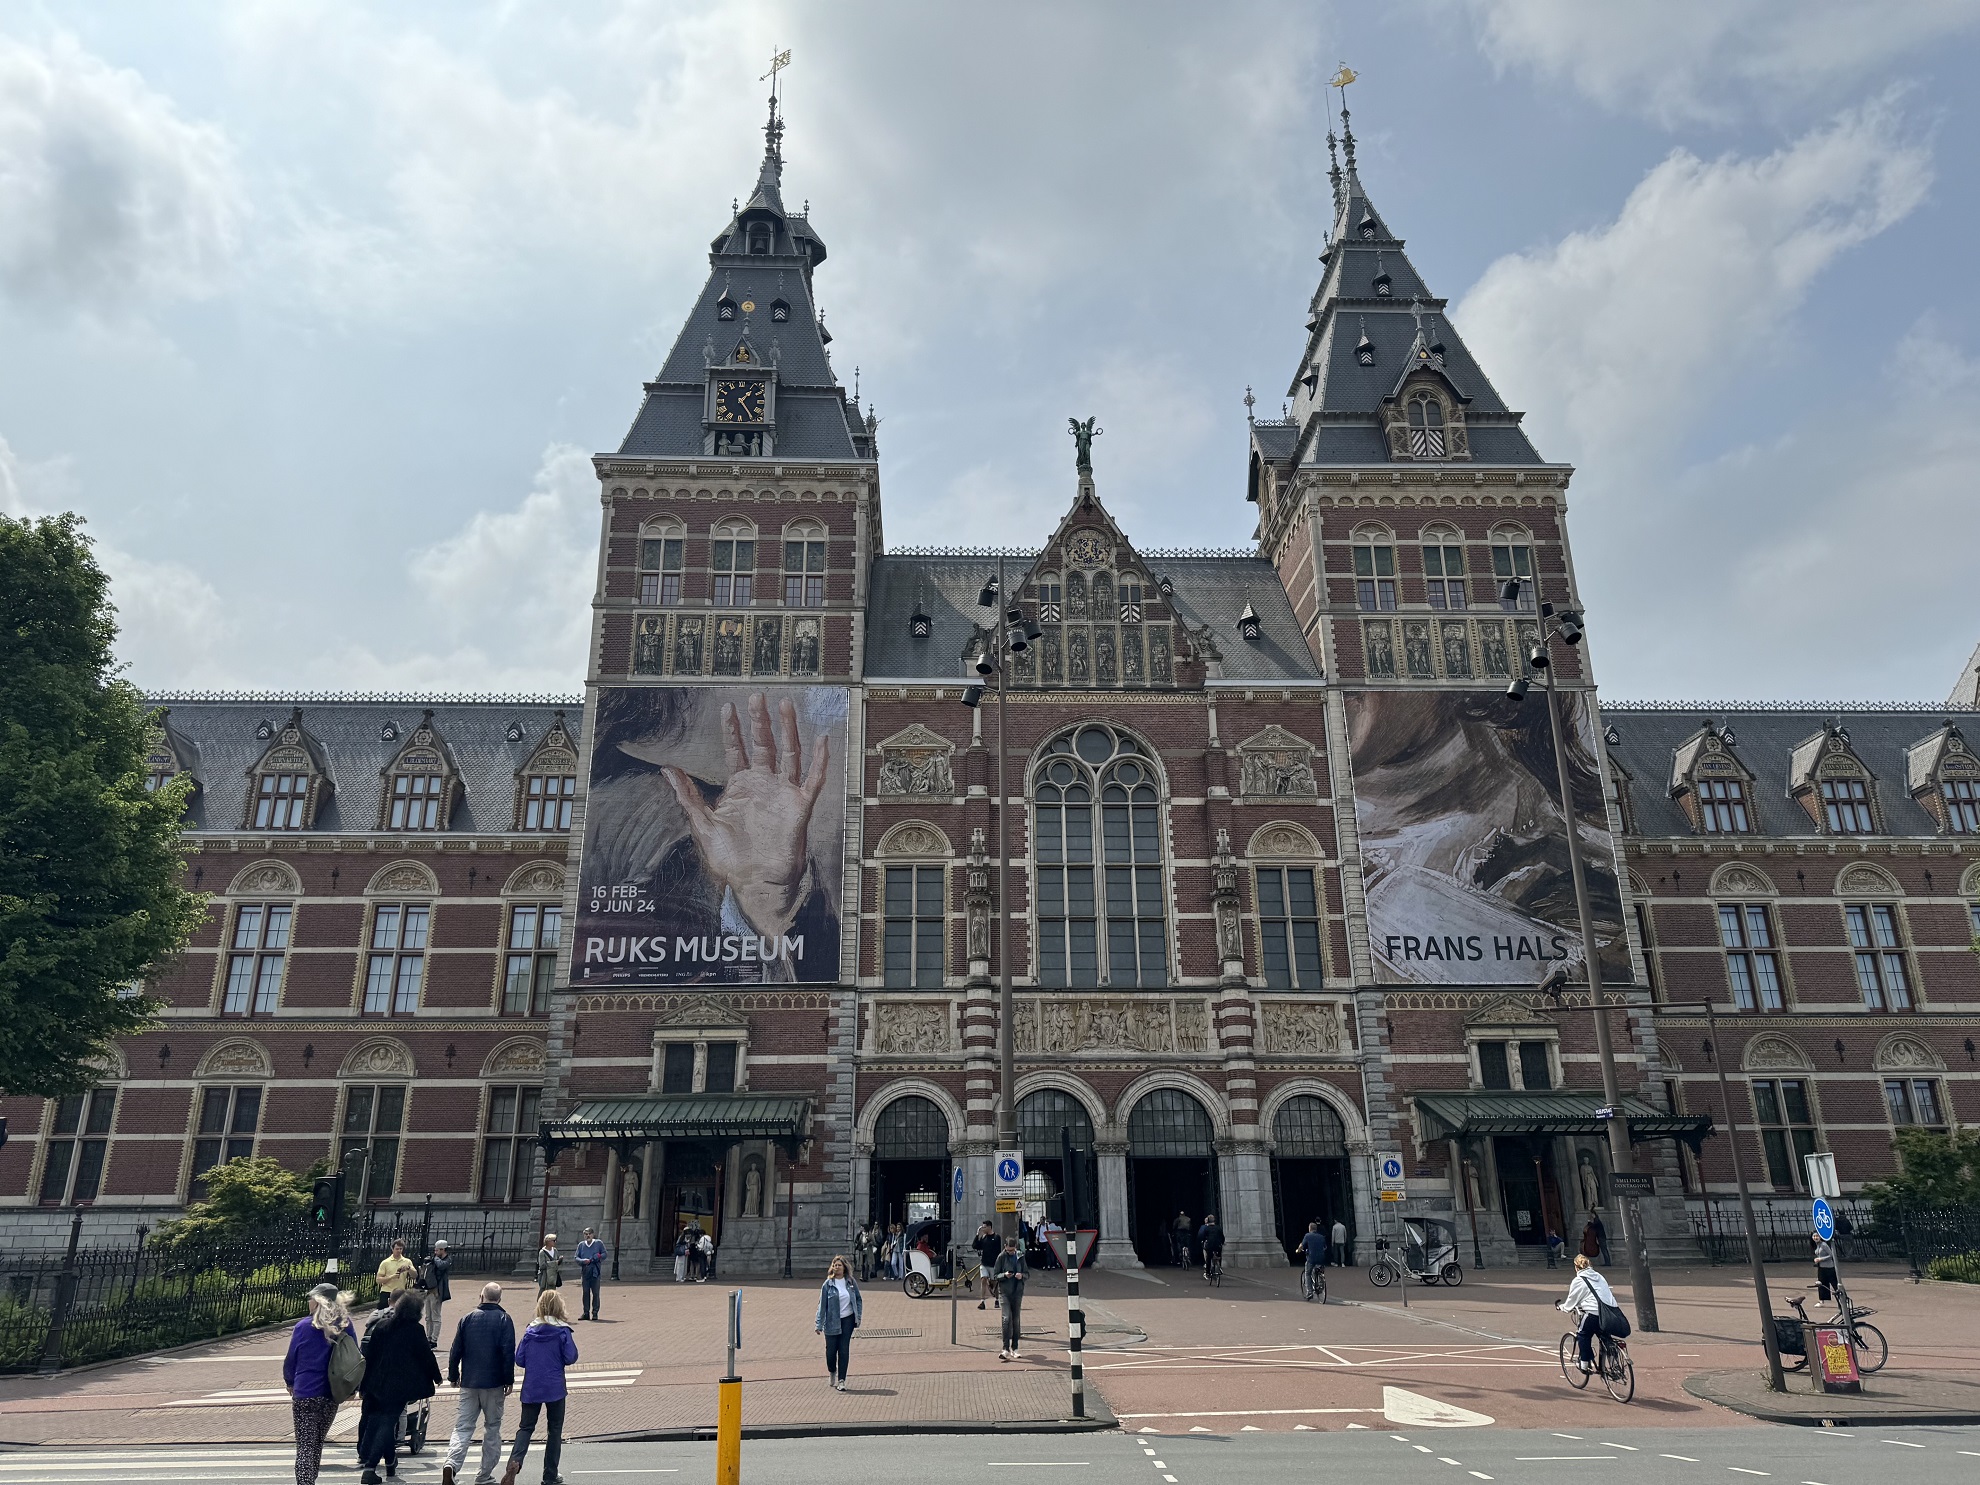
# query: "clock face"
[738,402]
[1087,549]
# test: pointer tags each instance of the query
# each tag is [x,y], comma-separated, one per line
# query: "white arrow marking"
[1414,1409]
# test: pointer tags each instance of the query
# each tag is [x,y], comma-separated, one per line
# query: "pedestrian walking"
[1340,1238]
[897,1248]
[433,1280]
[1825,1265]
[591,1273]
[549,1264]
[306,1372]
[863,1250]
[987,1248]
[545,1349]
[681,1257]
[1010,1296]
[693,1236]
[707,1256]
[839,1311]
[395,1273]
[1555,1247]
[482,1363]
[399,1369]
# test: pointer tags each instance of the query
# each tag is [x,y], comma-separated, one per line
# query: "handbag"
[1610,1320]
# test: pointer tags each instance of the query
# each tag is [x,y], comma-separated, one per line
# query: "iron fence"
[66,1307]
[1783,1229]
[1943,1243]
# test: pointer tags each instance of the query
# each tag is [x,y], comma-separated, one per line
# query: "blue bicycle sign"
[1825,1220]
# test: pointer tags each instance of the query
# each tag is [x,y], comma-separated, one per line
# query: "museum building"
[1284,865]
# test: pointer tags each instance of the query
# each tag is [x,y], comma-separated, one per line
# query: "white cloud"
[1616,336]
[1702,60]
[107,195]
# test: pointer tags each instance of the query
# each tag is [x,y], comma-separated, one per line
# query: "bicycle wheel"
[1452,1275]
[1872,1351]
[916,1285]
[1571,1361]
[1619,1374]
[1381,1275]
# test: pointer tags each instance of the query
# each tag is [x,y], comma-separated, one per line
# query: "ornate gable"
[289,782]
[419,782]
[1709,755]
[916,761]
[703,1013]
[1423,415]
[171,753]
[1943,775]
[547,781]
[1833,784]
[1512,1012]
[1275,763]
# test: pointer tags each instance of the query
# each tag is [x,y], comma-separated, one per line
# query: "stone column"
[1361,1177]
[1244,1170]
[1116,1248]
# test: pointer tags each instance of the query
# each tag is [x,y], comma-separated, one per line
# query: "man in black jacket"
[482,1363]
[433,1279]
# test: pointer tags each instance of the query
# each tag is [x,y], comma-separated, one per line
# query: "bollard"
[728,1414]
[1075,1325]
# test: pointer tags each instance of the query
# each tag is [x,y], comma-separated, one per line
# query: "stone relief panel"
[1311,1028]
[1276,762]
[917,762]
[1069,1024]
[379,1059]
[1901,1053]
[912,1028]
[1737,880]
[1774,1054]
[405,877]
[1865,880]
[515,1059]
[236,1059]
[540,879]
[266,879]
[914,838]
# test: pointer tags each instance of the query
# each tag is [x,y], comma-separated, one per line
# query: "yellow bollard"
[728,1432]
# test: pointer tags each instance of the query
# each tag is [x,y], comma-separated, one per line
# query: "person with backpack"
[545,1349]
[321,1369]
[482,1363]
[433,1280]
[1588,1293]
[681,1257]
[549,1264]
[707,1250]
[398,1369]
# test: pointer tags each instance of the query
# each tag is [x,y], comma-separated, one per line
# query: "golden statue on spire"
[1342,78]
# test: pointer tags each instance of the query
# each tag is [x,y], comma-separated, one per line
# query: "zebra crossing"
[248,1397]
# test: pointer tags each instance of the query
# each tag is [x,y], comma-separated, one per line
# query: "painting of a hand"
[753,839]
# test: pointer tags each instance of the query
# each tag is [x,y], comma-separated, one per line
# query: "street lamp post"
[1017,633]
[1565,625]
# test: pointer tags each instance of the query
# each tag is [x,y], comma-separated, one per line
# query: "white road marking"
[1477,1476]
[1741,1470]
[1407,1408]
[1612,1444]
[1575,1436]
[1420,1448]
[1442,1460]
[1023,1464]
[1685,1457]
[1540,1458]
[1303,1428]
[1253,1413]
[1901,1443]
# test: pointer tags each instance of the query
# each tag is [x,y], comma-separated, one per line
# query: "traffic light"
[326,1207]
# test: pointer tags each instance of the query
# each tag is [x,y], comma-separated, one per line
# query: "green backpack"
[346,1366]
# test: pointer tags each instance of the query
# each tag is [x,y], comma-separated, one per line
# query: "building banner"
[713,837]
[1463,845]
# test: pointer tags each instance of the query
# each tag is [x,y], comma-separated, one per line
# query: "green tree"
[1934,1170]
[244,1196]
[90,860]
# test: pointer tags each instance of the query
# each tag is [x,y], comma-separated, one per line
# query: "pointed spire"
[1250,402]
[1334,170]
[1347,143]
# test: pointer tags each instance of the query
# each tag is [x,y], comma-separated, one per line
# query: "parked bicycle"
[1872,1350]
[1612,1365]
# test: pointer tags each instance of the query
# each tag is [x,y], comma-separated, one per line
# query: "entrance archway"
[1309,1169]
[910,1154]
[1172,1168]
[1042,1115]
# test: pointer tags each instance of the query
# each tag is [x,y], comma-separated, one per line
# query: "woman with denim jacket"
[839,1310]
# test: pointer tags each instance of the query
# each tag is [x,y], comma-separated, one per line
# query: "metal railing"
[67,1307]
[1942,1243]
[1783,1229]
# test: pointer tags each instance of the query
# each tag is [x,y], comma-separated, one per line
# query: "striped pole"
[1075,1324]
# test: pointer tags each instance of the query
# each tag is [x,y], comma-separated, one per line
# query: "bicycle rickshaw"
[1428,1254]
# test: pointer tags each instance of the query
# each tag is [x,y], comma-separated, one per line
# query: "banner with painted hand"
[1463,843]
[714,836]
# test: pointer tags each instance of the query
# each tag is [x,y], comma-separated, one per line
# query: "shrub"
[1934,1170]
[1960,1268]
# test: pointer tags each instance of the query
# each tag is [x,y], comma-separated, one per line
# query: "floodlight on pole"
[1518,689]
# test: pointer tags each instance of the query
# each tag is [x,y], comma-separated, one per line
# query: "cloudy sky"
[317,310]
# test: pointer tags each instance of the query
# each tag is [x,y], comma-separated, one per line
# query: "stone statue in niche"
[1457,649]
[769,646]
[1381,648]
[1076,656]
[1159,669]
[752,1187]
[1492,639]
[1230,943]
[1417,648]
[1591,1182]
[804,647]
[687,646]
[728,646]
[629,1192]
[1130,654]
[1049,667]
[1103,656]
[978,946]
[649,644]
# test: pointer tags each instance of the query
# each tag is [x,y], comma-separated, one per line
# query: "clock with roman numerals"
[739,401]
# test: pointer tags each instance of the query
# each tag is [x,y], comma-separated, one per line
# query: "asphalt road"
[1624,1456]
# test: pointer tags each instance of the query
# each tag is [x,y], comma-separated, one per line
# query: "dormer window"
[1846,807]
[415,801]
[780,311]
[1722,807]
[725,308]
[1364,350]
[546,784]
[1385,287]
[1426,426]
[1367,226]
[1962,798]
[283,802]
[920,626]
[418,784]
[285,787]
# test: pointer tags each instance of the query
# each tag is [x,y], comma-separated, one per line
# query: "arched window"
[732,556]
[911,1128]
[1374,570]
[1306,1128]
[1512,557]
[1170,1125]
[1040,1117]
[1101,906]
[804,565]
[759,239]
[662,551]
[1443,567]
[1426,426]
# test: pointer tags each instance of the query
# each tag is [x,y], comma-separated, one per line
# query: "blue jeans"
[590,1277]
[838,1352]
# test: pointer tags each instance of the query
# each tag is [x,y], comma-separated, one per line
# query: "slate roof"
[352,751]
[1764,741]
[1337,401]
[814,417]
[1208,590]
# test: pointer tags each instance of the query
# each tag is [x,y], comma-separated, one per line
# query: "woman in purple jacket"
[545,1349]
[306,1373]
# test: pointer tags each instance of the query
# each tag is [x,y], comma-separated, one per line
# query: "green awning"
[1453,1115]
[685,1116]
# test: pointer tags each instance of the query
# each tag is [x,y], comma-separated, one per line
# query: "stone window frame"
[732,531]
[654,564]
[1374,538]
[1442,538]
[227,1136]
[1267,850]
[378,1084]
[1870,900]
[258,952]
[379,898]
[521,1138]
[76,1141]
[805,532]
[700,1039]
[1510,538]
[1512,1035]
[289,756]
[536,952]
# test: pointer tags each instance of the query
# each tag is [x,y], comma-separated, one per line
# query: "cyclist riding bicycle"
[1210,1239]
[1313,1248]
[1587,1292]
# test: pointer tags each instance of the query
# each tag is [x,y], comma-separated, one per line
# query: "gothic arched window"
[1102,912]
[1426,426]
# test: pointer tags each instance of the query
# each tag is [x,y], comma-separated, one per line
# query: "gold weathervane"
[783,59]
[1339,80]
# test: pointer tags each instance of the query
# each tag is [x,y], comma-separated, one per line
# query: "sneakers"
[371,1477]
[981,1305]
[446,1474]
